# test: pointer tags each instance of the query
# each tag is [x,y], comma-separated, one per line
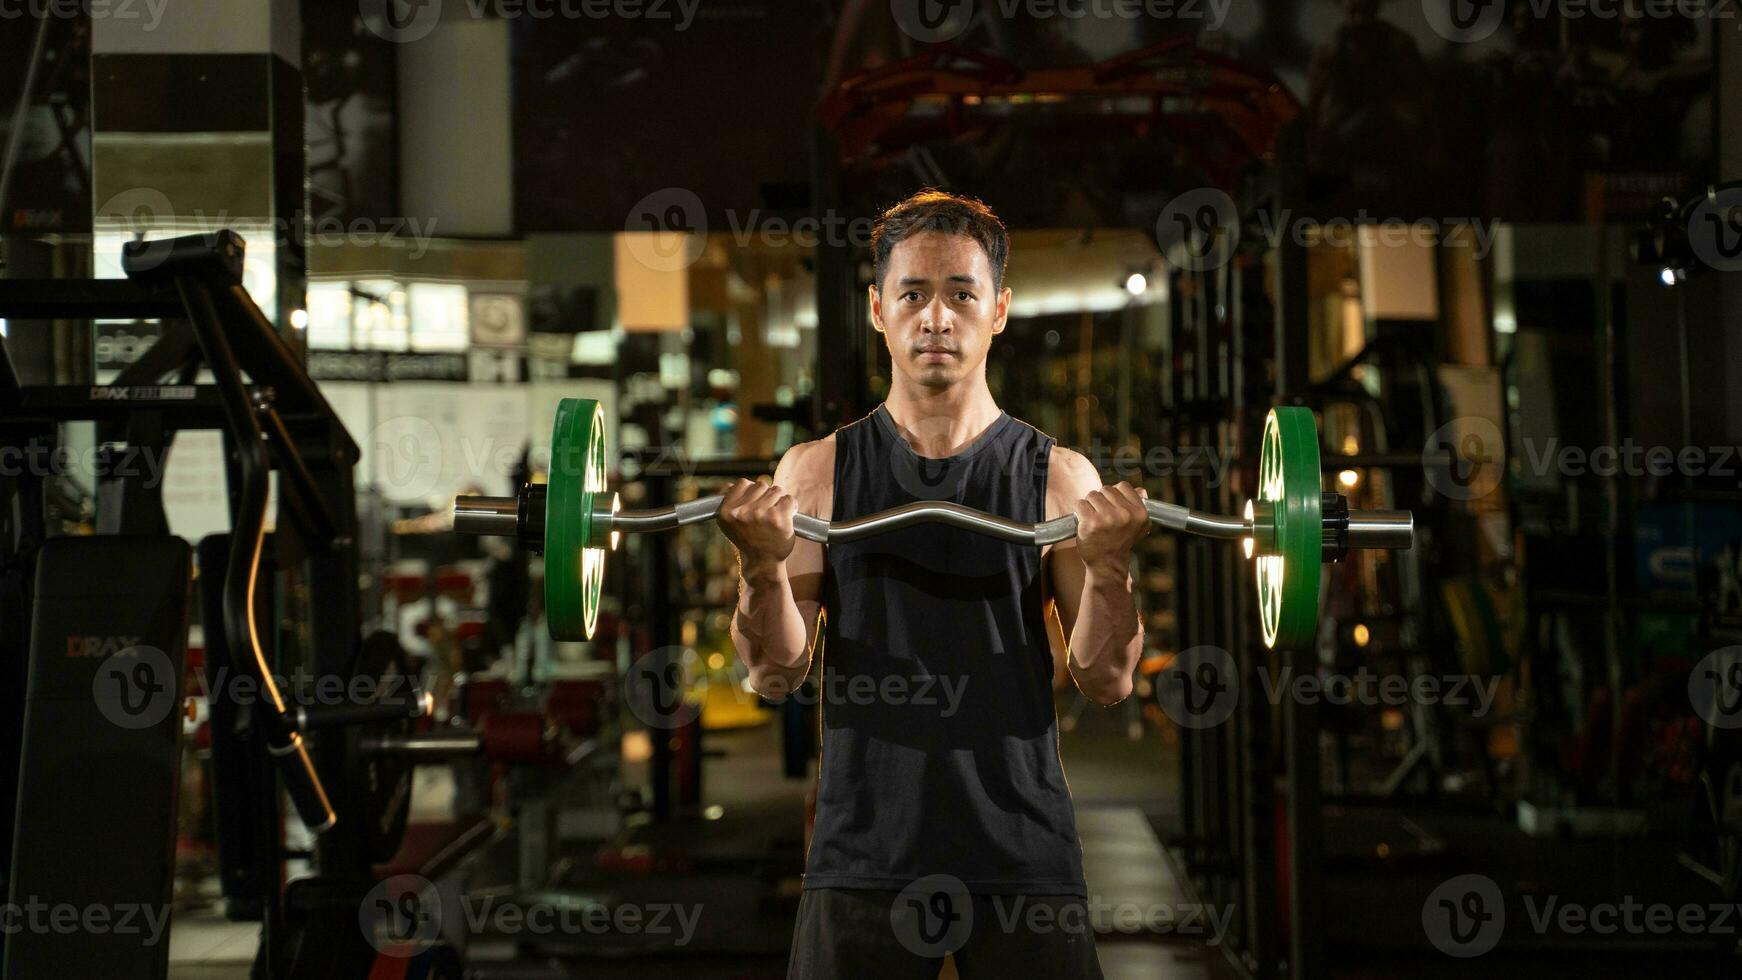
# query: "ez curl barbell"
[1289,529]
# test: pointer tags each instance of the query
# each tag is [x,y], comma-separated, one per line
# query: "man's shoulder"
[1072,468]
[810,462]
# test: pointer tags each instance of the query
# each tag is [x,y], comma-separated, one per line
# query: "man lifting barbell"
[908,791]
[941,805]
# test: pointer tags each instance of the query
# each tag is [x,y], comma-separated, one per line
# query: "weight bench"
[102,746]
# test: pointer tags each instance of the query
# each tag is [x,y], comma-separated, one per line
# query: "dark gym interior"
[459,457]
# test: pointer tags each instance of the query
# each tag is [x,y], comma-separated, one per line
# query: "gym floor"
[1123,791]
[1126,806]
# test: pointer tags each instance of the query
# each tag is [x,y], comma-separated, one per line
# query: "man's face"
[938,309]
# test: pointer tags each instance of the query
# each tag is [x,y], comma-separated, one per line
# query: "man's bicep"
[1074,477]
[1068,576]
[804,567]
[804,573]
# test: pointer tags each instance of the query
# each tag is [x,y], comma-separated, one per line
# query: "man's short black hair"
[953,214]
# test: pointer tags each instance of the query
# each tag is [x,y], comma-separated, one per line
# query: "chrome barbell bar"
[501,516]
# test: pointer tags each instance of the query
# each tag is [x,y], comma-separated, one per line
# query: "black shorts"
[849,933]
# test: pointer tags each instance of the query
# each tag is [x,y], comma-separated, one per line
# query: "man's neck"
[941,422]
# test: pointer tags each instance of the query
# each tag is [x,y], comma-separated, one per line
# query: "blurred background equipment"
[282,284]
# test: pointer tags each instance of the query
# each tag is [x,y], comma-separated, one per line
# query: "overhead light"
[1136,284]
[299,319]
[1670,275]
[1348,478]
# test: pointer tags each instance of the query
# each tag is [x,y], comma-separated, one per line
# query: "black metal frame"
[273,418]
[1229,842]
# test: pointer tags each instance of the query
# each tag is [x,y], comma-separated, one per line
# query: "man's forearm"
[1107,638]
[768,631]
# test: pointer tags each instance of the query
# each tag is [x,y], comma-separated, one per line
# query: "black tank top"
[940,742]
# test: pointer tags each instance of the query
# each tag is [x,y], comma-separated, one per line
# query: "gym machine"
[98,625]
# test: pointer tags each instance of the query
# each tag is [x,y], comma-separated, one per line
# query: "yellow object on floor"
[726,706]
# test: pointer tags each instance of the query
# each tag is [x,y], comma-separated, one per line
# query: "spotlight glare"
[1136,284]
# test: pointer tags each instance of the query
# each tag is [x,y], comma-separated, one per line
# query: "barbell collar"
[1392,529]
[498,516]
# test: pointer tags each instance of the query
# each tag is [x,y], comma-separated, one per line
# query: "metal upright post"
[1300,721]
[843,341]
[1254,760]
[662,633]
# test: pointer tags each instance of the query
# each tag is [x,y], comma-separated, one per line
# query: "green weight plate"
[1289,482]
[574,574]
